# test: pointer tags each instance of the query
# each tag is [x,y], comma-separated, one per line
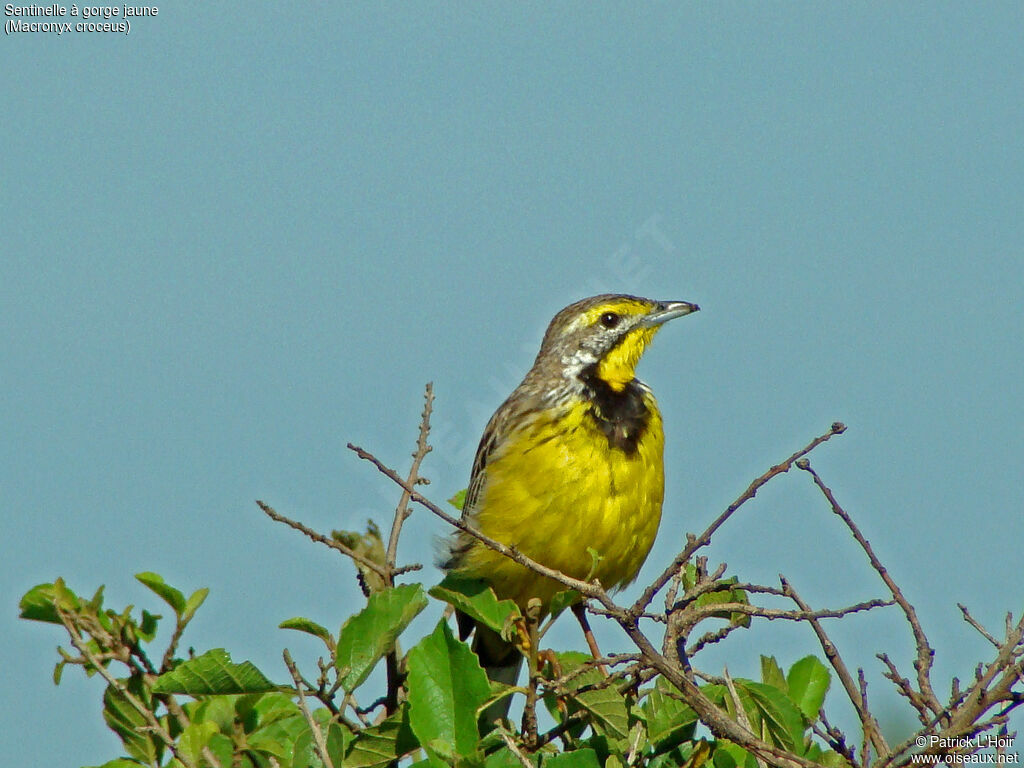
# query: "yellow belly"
[555,489]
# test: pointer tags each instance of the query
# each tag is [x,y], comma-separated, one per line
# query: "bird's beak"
[666,310]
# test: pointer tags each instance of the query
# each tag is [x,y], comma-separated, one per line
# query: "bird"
[571,461]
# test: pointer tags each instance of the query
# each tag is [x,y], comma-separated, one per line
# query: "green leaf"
[338,739]
[223,748]
[459,499]
[773,711]
[195,600]
[729,755]
[580,758]
[309,627]
[724,595]
[95,605]
[370,634]
[808,681]
[304,751]
[120,763]
[381,744]
[727,596]
[476,599]
[670,722]
[771,674]
[832,759]
[129,724]
[271,707]
[147,627]
[606,706]
[37,604]
[692,754]
[446,687]
[216,709]
[563,600]
[194,738]
[213,673]
[277,737]
[503,758]
[595,561]
[64,597]
[167,593]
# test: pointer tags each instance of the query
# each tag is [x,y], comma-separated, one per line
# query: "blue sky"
[236,239]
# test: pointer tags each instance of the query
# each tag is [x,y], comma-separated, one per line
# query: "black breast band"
[621,416]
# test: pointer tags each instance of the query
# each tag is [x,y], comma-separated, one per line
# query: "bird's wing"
[494,432]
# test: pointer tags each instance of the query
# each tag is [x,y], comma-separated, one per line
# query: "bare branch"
[704,611]
[585,588]
[741,713]
[513,747]
[710,638]
[152,723]
[869,725]
[906,690]
[865,746]
[974,623]
[695,543]
[314,727]
[717,720]
[925,653]
[835,738]
[327,541]
[402,511]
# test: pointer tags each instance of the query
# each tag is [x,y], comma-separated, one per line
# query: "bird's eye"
[609,319]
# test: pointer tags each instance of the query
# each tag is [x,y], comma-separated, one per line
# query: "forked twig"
[314,727]
[925,653]
[869,725]
[402,511]
[704,539]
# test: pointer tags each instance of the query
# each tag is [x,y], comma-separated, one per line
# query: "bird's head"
[609,332]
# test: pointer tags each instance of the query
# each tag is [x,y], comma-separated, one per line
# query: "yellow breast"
[557,487]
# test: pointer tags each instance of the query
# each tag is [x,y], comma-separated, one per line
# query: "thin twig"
[865,744]
[585,588]
[710,609]
[325,540]
[402,511]
[172,646]
[977,625]
[925,653]
[695,543]
[835,738]
[318,736]
[906,690]
[710,638]
[741,713]
[393,661]
[869,725]
[152,723]
[717,721]
[513,747]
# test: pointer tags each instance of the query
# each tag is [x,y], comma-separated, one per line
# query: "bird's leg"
[580,612]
